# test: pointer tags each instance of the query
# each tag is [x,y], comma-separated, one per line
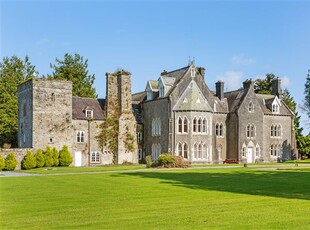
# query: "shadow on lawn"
[294,185]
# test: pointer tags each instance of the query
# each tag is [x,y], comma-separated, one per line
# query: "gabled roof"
[153,85]
[266,101]
[234,99]
[168,81]
[138,97]
[80,103]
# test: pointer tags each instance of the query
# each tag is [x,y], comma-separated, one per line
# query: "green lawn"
[239,198]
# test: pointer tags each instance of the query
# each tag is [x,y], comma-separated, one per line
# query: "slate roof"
[138,97]
[265,102]
[168,81]
[80,103]
[153,84]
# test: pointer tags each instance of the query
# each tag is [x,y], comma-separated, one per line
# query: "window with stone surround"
[275,130]
[139,137]
[95,157]
[80,136]
[219,130]
[251,107]
[250,131]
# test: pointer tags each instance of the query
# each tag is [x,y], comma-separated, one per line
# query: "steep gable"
[192,99]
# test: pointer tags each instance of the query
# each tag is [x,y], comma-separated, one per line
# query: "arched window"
[272,131]
[180,149]
[199,125]
[243,152]
[204,151]
[195,151]
[199,151]
[250,130]
[251,107]
[185,151]
[279,131]
[80,136]
[272,150]
[221,129]
[185,125]
[204,125]
[195,125]
[180,125]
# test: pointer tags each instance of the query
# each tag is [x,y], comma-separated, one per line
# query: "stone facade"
[177,114]
[209,127]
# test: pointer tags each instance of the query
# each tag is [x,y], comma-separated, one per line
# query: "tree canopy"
[264,86]
[307,95]
[13,71]
[74,68]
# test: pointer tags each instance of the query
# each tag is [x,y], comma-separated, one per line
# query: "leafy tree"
[13,71]
[307,95]
[40,160]
[2,163]
[48,156]
[304,146]
[74,68]
[109,135]
[55,156]
[65,158]
[10,162]
[29,161]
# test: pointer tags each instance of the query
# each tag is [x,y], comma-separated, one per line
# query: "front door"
[78,159]
[250,155]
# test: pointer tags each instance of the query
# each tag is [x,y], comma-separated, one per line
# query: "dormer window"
[89,113]
[275,108]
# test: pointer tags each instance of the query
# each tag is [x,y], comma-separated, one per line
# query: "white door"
[78,158]
[250,155]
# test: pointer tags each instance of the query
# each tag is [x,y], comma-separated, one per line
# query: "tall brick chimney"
[219,89]
[276,87]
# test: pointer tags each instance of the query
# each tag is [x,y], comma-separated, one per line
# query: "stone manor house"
[177,113]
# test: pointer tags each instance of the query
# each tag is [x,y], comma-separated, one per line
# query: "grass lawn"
[228,198]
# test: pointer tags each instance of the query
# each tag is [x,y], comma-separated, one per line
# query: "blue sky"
[233,40]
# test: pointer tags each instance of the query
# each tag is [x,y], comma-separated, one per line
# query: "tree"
[48,156]
[304,146]
[2,163]
[264,86]
[10,162]
[307,95]
[55,156]
[65,158]
[74,68]
[13,71]
[40,160]
[29,161]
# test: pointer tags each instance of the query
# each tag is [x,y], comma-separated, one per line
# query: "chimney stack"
[202,71]
[219,89]
[276,87]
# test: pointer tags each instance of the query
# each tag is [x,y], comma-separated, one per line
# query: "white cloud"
[232,80]
[241,60]
[285,81]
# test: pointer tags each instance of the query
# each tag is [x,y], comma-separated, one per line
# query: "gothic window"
[80,136]
[156,150]
[180,125]
[204,125]
[156,127]
[204,151]
[275,108]
[250,131]
[193,73]
[185,151]
[279,131]
[199,125]
[275,130]
[243,152]
[272,151]
[199,151]
[185,125]
[140,154]
[251,107]
[95,157]
[195,125]
[219,130]
[272,131]
[180,149]
[195,151]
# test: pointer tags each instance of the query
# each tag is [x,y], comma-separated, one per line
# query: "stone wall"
[18,153]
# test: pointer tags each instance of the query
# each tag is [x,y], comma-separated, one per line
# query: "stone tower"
[44,114]
[118,103]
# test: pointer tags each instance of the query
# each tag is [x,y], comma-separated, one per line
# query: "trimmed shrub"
[2,163]
[40,160]
[65,158]
[180,162]
[29,161]
[166,160]
[48,156]
[149,161]
[55,156]
[10,162]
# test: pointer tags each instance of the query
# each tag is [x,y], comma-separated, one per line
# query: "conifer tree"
[40,160]
[48,156]
[29,161]
[74,68]
[2,162]
[65,158]
[10,162]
